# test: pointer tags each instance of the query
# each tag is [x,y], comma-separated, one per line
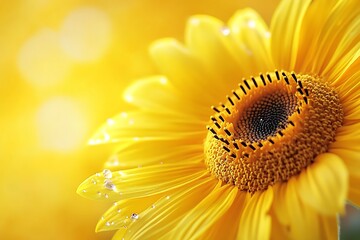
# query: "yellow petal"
[351,158]
[324,184]
[139,182]
[348,137]
[206,213]
[157,94]
[160,219]
[348,86]
[312,24]
[295,215]
[255,221]
[285,30]
[186,73]
[346,130]
[131,155]
[337,45]
[354,194]
[142,126]
[123,212]
[119,234]
[252,38]
[279,207]
[278,230]
[233,215]
[212,43]
[329,227]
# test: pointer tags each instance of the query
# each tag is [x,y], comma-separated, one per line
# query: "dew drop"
[106,195]
[106,136]
[110,121]
[251,23]
[267,34]
[109,185]
[153,206]
[167,197]
[107,223]
[84,190]
[163,80]
[107,173]
[93,181]
[134,216]
[113,161]
[225,31]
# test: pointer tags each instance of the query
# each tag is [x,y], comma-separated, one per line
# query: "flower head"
[276,158]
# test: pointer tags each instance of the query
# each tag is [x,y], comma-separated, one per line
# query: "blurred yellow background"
[63,66]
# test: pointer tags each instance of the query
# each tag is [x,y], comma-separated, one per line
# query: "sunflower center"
[266,116]
[271,128]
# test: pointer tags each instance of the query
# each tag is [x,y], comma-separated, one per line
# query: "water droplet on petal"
[107,223]
[167,197]
[113,161]
[225,31]
[109,185]
[134,216]
[110,122]
[251,24]
[106,195]
[163,80]
[106,137]
[107,173]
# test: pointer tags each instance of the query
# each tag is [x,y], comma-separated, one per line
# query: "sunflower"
[249,133]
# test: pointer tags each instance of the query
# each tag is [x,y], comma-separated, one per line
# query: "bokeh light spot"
[41,60]
[61,125]
[86,34]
